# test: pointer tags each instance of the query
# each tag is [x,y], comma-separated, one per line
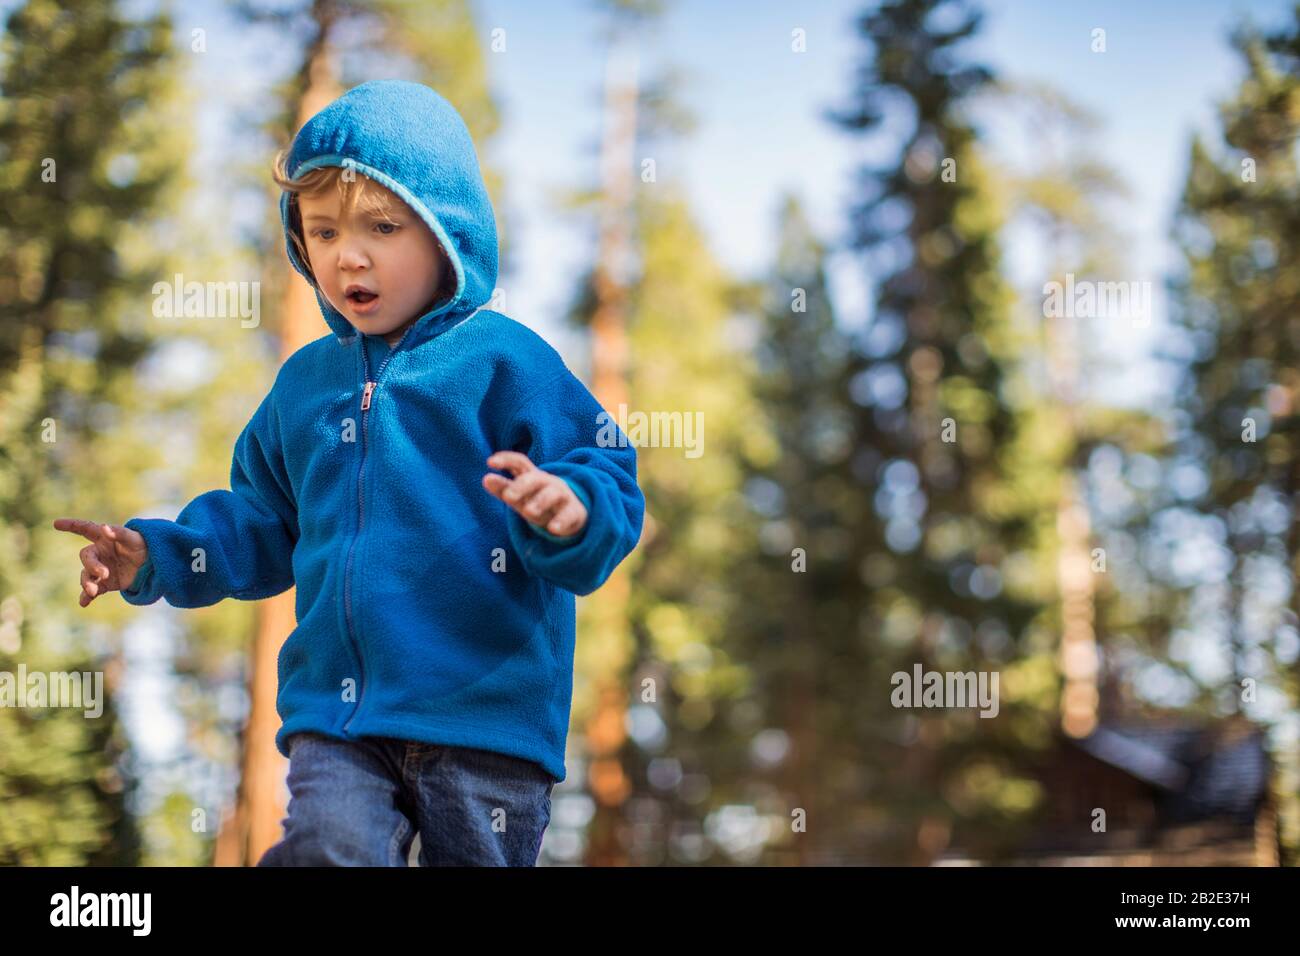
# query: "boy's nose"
[353,256]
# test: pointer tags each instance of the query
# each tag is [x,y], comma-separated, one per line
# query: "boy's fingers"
[91,560]
[89,529]
[525,486]
[127,538]
[501,487]
[546,516]
[87,584]
[543,505]
[539,497]
[512,461]
[496,483]
[569,519]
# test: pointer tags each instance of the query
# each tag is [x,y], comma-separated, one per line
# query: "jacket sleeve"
[565,431]
[237,543]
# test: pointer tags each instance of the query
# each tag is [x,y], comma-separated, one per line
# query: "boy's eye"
[385,228]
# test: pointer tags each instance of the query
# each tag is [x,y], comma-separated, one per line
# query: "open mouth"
[361,297]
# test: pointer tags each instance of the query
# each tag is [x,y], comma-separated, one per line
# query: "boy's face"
[396,260]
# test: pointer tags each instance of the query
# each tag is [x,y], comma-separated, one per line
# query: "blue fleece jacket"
[427,609]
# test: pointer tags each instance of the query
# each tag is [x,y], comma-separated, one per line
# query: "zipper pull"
[365,399]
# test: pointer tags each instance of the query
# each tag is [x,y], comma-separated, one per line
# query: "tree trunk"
[607,607]
[1078,660]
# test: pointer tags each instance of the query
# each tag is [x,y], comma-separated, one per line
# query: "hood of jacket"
[409,139]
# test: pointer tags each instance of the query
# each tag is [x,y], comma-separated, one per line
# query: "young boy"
[428,682]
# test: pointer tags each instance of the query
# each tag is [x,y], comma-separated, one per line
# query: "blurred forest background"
[936,485]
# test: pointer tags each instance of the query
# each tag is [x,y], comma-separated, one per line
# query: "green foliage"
[685,359]
[1238,346]
[942,527]
[81,162]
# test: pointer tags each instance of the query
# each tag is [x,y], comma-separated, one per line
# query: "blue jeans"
[360,803]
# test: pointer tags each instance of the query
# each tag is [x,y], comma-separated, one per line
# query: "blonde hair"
[354,192]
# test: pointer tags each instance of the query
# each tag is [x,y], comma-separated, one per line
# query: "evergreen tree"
[689,365]
[657,309]
[1238,346]
[932,424]
[794,576]
[85,162]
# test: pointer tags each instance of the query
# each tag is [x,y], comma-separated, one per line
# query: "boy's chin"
[383,329]
[376,325]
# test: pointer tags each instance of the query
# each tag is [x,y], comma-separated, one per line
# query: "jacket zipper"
[367,397]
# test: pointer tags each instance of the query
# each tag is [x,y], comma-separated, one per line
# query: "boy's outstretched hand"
[540,497]
[112,558]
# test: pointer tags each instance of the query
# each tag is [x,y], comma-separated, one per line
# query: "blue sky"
[761,127]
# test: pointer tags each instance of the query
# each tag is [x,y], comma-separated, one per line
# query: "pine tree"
[689,363]
[793,575]
[931,424]
[1238,346]
[83,162]
[646,658]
